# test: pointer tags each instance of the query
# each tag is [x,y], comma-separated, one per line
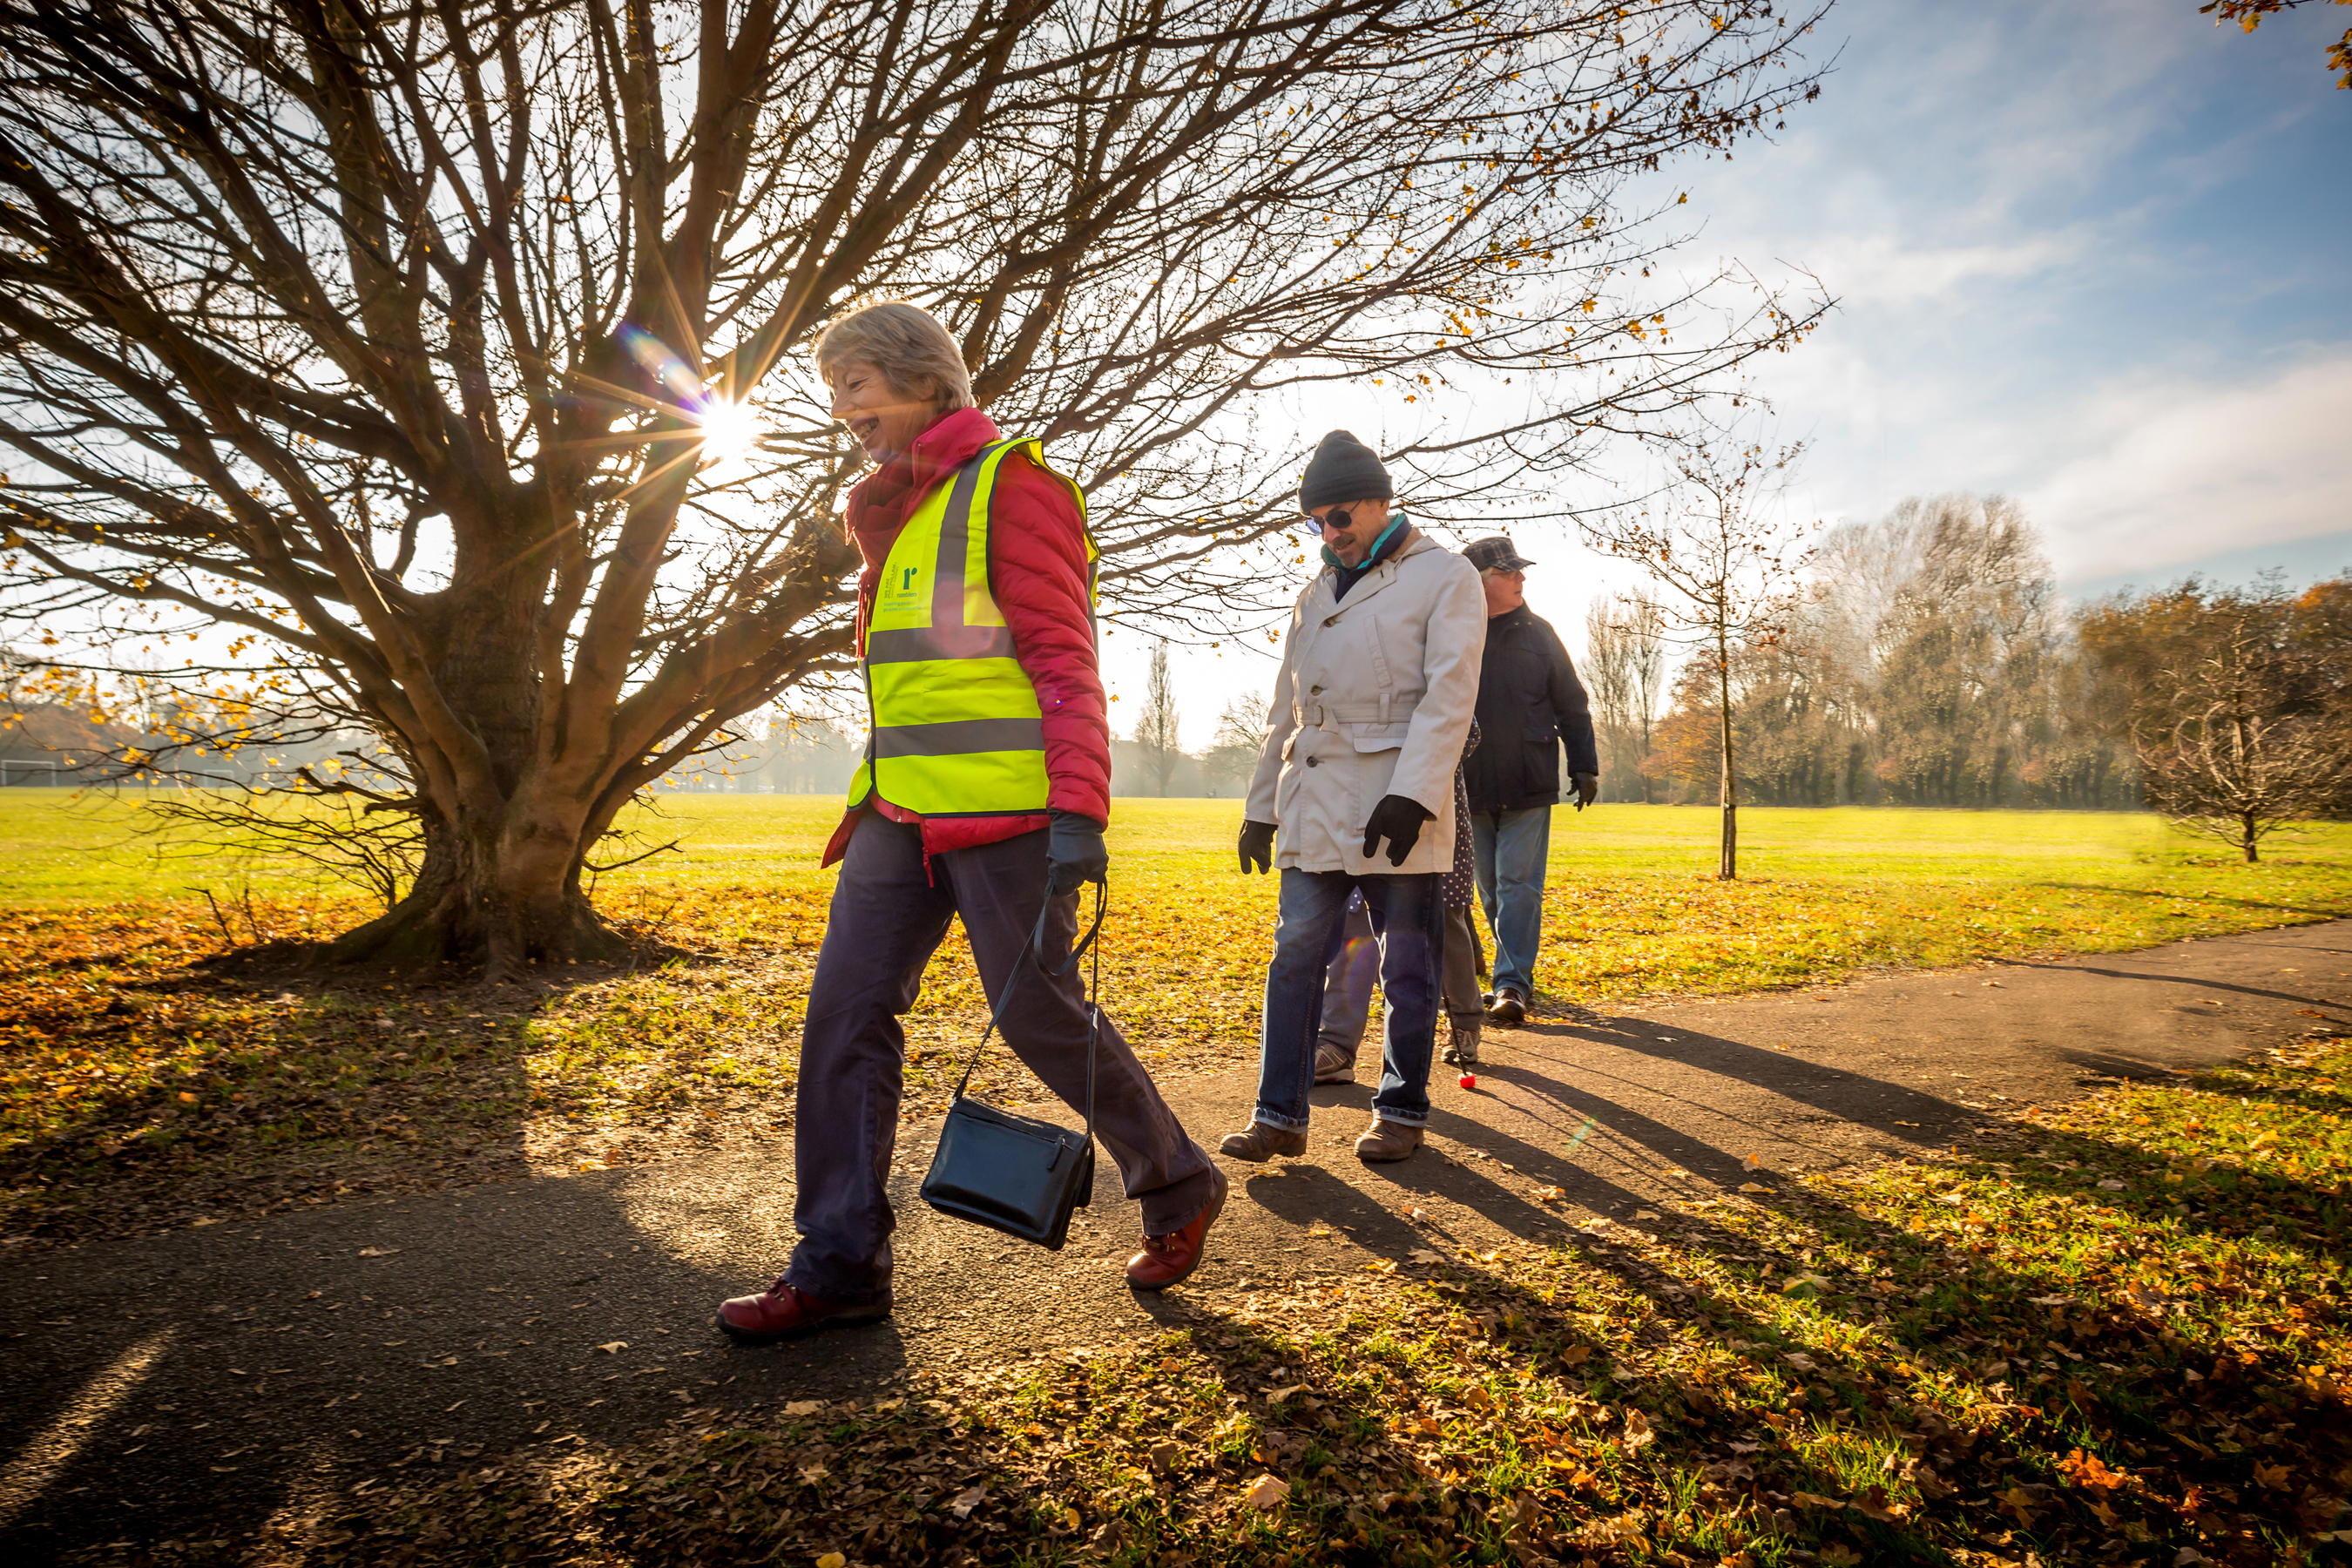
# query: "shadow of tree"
[2190,980]
[249,1377]
[2268,906]
[1910,1370]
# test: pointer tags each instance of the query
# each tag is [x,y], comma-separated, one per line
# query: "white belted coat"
[1375,698]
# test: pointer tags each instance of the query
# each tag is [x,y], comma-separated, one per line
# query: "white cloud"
[1882,269]
[2176,470]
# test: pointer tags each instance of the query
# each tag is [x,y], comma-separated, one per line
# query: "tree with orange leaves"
[2249,14]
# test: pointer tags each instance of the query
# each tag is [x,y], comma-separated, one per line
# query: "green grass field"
[2119,1333]
[115,1052]
[65,847]
[1632,905]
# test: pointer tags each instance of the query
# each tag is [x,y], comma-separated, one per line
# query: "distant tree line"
[1929,660]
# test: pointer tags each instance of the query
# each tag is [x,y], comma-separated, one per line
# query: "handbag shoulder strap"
[1029,950]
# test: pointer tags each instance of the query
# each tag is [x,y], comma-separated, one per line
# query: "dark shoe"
[782,1312]
[1262,1143]
[1165,1259]
[1388,1141]
[1464,1051]
[1509,1008]
[1333,1065]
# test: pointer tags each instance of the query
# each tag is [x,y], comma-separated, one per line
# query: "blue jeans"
[1354,964]
[1411,914]
[1507,850]
[1351,966]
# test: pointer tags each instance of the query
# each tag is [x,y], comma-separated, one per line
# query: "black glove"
[1587,789]
[1397,818]
[1074,855]
[1257,845]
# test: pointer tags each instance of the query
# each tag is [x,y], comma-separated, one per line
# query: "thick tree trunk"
[473,903]
[500,881]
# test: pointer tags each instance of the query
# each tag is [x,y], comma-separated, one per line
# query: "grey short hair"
[907,345]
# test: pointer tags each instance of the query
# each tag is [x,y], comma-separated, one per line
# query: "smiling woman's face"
[884,420]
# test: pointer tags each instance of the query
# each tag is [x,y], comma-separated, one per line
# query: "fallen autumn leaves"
[1853,1370]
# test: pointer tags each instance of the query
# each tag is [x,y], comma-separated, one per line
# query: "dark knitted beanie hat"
[1343,469]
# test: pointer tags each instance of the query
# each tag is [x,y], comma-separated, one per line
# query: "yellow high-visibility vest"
[957,730]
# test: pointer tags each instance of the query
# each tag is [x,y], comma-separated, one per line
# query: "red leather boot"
[1165,1259]
[782,1312]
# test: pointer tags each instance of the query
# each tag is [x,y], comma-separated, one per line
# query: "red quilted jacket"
[1037,570]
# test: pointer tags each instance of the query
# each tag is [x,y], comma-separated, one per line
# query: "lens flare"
[729,431]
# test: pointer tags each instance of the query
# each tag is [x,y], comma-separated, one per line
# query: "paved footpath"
[192,1386]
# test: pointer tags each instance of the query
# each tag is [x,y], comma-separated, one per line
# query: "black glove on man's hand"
[1397,818]
[1074,855]
[1257,845]
[1587,789]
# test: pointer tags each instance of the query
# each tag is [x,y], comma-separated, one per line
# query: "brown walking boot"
[1388,1141]
[783,1312]
[1262,1143]
[1165,1259]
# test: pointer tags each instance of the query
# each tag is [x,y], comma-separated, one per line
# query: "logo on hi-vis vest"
[905,591]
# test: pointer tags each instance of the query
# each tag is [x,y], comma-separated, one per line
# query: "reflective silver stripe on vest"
[947,636]
[955,539]
[959,736]
[910,644]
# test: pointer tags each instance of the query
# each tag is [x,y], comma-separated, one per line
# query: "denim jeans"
[1410,913]
[1351,964]
[1508,849]
[1355,963]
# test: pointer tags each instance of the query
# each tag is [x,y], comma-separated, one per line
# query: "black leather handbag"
[1016,1174]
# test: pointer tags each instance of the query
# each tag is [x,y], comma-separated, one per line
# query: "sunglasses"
[1337,517]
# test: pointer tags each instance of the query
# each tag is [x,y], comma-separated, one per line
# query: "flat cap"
[1496,553]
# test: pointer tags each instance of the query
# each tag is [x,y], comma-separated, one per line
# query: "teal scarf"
[1372,556]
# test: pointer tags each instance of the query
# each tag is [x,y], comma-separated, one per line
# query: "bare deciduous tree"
[433,351]
[1626,662]
[1158,728]
[1926,662]
[1718,546]
[1240,737]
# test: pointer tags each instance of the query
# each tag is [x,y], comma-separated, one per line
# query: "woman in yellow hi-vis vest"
[983,795]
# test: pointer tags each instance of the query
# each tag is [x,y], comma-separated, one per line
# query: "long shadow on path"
[212,1380]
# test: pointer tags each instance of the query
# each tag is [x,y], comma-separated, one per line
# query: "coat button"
[1330,620]
[1314,692]
[1311,761]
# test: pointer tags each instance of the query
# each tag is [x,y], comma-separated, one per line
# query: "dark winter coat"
[1530,701]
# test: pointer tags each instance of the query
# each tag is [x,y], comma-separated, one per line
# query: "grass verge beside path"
[138,1089]
[2117,1334]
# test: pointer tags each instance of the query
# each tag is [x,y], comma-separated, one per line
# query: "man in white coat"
[1380,679]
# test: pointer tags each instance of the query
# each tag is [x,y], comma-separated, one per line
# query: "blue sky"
[2093,255]
[2097,256]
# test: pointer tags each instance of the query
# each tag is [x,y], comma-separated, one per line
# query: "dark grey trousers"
[888,917]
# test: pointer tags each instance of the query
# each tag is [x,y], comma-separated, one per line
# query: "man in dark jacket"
[1529,702]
